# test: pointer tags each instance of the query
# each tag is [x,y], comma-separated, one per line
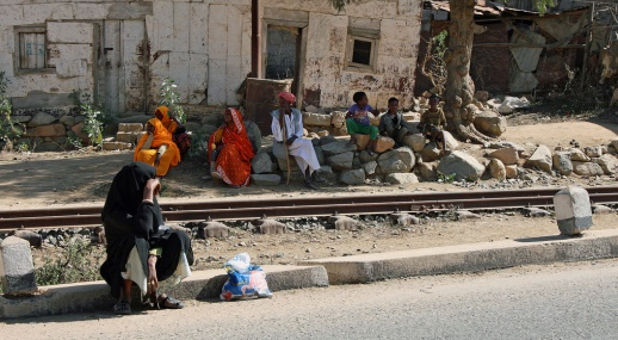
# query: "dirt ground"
[31,180]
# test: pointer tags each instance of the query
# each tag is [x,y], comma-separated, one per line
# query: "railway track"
[314,206]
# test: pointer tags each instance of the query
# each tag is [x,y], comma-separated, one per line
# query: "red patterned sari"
[233,162]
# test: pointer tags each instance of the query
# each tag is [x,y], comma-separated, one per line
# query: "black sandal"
[170,303]
[122,308]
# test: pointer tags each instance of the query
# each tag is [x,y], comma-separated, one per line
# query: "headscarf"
[169,123]
[127,189]
[237,133]
[288,97]
[161,136]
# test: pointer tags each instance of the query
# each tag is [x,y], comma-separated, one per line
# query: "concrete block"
[270,226]
[182,22]
[216,229]
[266,179]
[59,52]
[130,127]
[70,32]
[122,10]
[475,257]
[90,11]
[110,146]
[95,296]
[128,137]
[573,211]
[16,268]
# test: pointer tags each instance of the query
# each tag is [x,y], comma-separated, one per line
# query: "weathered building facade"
[120,51]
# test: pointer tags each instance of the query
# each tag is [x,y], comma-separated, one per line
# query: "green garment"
[355,127]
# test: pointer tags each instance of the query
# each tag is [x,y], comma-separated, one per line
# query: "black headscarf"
[127,188]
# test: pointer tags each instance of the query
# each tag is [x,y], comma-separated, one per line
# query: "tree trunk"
[460,107]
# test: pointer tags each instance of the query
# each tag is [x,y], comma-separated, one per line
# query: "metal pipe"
[256,33]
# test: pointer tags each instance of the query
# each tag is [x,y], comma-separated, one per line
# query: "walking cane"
[285,145]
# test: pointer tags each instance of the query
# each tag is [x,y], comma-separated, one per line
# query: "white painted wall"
[205,46]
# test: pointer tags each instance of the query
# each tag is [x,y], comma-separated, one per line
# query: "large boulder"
[325,176]
[365,156]
[53,130]
[342,161]
[319,154]
[562,163]
[490,123]
[462,165]
[254,134]
[511,171]
[593,151]
[338,147]
[337,119]
[402,178]
[497,169]
[262,163]
[265,179]
[41,118]
[316,119]
[353,177]
[541,159]
[383,144]
[361,141]
[416,142]
[577,155]
[508,156]
[608,163]
[587,169]
[450,141]
[430,152]
[398,160]
[370,168]
[427,171]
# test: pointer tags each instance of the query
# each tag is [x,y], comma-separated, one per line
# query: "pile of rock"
[49,129]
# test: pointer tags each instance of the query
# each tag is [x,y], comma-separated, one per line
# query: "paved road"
[566,301]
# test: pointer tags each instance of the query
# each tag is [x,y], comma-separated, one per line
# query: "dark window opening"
[361,52]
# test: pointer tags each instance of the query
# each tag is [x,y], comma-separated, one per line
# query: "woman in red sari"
[230,151]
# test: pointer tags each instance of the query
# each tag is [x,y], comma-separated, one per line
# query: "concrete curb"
[95,296]
[597,244]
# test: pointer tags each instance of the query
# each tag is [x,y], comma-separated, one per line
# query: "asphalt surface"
[562,301]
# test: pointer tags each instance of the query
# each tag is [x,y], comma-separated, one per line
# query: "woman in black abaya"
[140,249]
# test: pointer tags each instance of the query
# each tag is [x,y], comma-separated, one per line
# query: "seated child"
[392,123]
[357,118]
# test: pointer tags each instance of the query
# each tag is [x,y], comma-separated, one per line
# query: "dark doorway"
[282,53]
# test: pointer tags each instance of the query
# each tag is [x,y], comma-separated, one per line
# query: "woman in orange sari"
[156,148]
[169,123]
[230,151]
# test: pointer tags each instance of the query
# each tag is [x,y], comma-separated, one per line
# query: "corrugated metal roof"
[490,8]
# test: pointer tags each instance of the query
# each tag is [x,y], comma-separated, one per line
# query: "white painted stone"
[573,211]
[90,11]
[16,268]
[70,32]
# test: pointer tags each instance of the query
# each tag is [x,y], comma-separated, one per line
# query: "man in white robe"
[289,120]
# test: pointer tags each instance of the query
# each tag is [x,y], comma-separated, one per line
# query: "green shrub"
[171,99]
[78,262]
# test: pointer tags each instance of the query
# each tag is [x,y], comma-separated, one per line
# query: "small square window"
[31,56]
[361,52]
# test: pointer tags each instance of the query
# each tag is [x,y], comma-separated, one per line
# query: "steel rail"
[208,205]
[361,205]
